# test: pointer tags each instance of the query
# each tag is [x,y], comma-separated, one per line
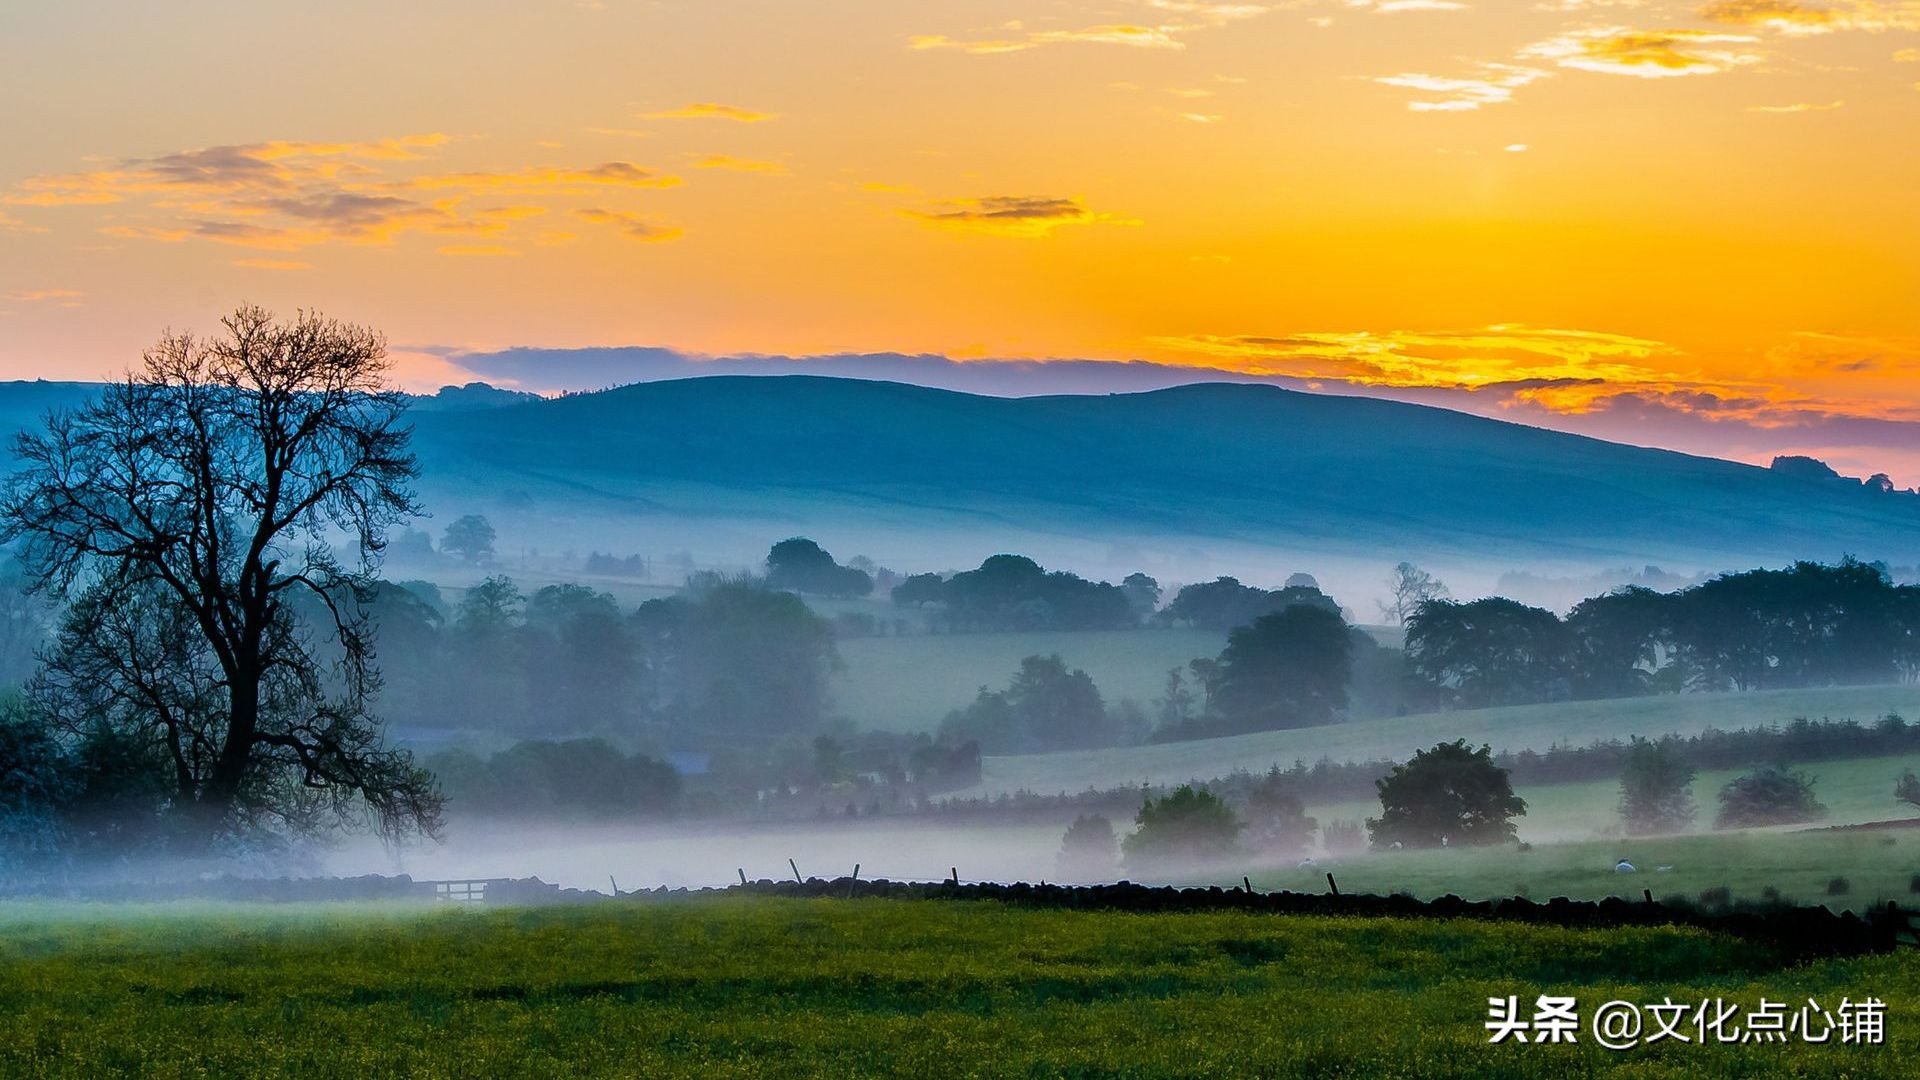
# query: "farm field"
[1877,865]
[1519,727]
[1574,826]
[766,987]
[1853,790]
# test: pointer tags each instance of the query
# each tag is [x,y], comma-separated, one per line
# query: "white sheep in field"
[1625,867]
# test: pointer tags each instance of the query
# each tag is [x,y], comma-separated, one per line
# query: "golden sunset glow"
[1612,215]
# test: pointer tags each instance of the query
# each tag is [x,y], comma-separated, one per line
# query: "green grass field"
[909,683]
[762,987]
[1536,727]
[1879,866]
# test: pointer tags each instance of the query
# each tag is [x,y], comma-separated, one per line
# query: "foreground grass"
[739,986]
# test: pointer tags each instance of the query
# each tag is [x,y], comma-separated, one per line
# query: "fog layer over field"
[695,856]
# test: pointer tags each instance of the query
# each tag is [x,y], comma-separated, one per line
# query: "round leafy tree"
[1447,796]
[1187,828]
[1768,796]
[1656,789]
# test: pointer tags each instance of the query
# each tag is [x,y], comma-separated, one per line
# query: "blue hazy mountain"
[1202,467]
[1194,479]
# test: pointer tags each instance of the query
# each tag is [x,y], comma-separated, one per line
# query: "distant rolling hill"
[1191,480]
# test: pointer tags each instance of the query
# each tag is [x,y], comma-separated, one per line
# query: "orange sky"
[1598,209]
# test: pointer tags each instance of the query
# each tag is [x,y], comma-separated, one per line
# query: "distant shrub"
[1089,849]
[1768,796]
[1718,896]
[1347,837]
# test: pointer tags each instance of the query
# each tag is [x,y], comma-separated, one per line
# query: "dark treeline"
[716,663]
[1807,625]
[1012,592]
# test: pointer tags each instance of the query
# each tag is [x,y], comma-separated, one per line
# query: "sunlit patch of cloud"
[1013,215]
[1502,353]
[1797,107]
[1395,7]
[1491,84]
[1177,19]
[1139,37]
[737,164]
[713,110]
[477,250]
[1790,17]
[273,264]
[1647,54]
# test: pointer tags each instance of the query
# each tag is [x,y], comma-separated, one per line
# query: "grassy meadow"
[1878,866]
[1853,790]
[738,986]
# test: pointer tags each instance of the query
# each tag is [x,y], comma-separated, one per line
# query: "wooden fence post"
[796,871]
[1331,887]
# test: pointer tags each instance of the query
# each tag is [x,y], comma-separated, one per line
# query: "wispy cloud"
[1647,54]
[273,264]
[1139,37]
[1394,7]
[631,226]
[41,296]
[610,174]
[712,110]
[1492,84]
[1189,16]
[286,196]
[1012,215]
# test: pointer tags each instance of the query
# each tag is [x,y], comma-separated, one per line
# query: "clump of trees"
[1771,795]
[1012,592]
[1277,821]
[1292,668]
[1046,706]
[1656,788]
[1447,796]
[469,537]
[1807,625]
[576,779]
[800,565]
[1187,829]
[1225,603]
